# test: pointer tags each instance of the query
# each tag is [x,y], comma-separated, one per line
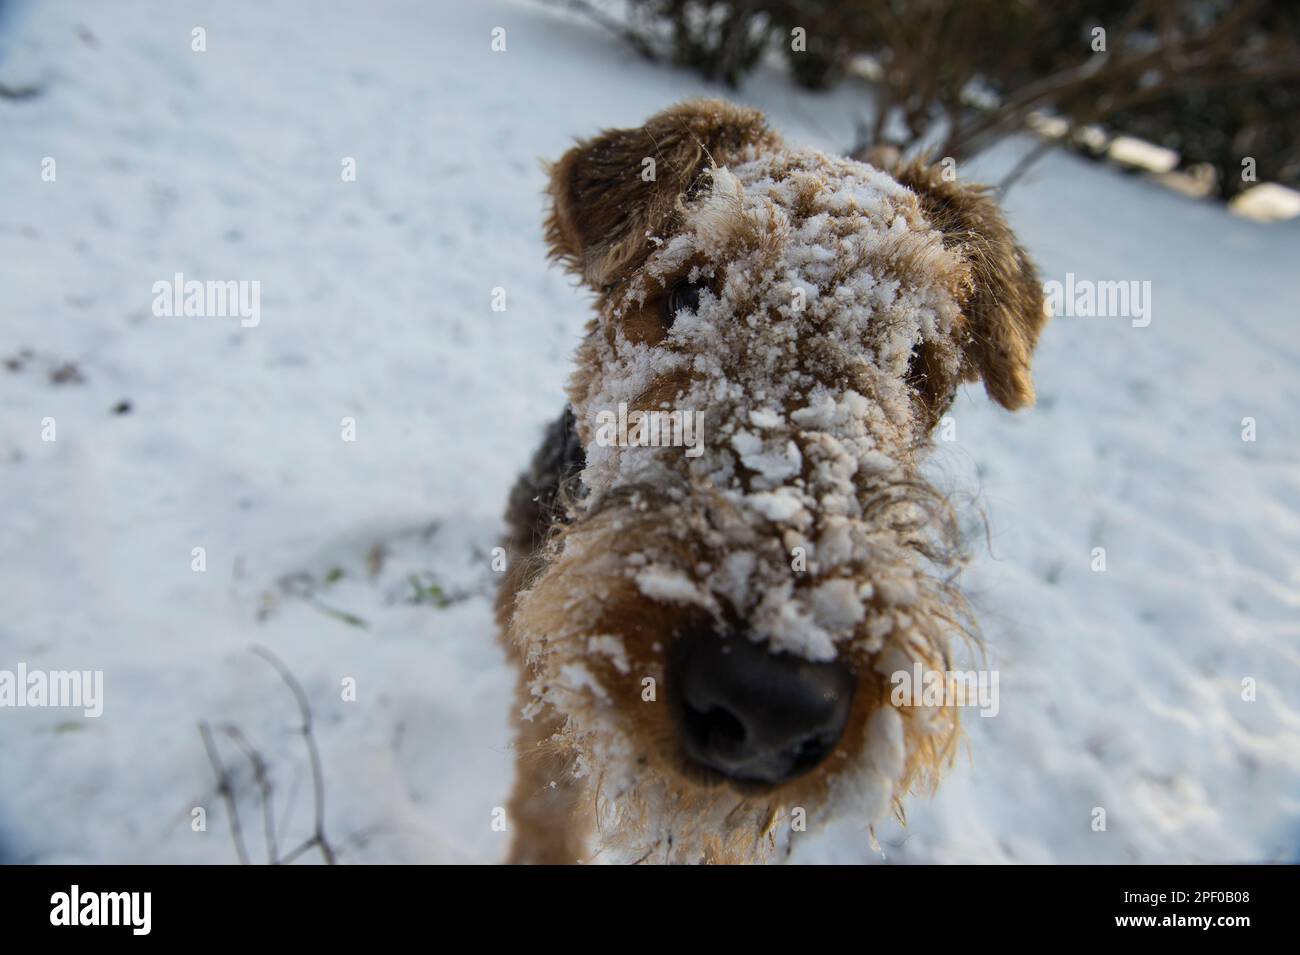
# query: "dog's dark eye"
[916,365]
[685,297]
[918,372]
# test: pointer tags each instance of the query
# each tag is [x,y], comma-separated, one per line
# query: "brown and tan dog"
[706,605]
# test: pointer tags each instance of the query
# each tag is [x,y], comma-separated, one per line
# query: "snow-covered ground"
[367,559]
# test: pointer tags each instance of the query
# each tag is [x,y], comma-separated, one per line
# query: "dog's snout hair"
[813,316]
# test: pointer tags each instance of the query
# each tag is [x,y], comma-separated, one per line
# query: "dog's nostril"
[811,751]
[754,715]
[716,729]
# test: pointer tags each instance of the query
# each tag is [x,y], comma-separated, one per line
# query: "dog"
[705,624]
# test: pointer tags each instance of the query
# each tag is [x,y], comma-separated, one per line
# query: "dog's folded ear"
[1004,305]
[612,193]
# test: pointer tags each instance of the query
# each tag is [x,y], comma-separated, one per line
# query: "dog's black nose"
[754,715]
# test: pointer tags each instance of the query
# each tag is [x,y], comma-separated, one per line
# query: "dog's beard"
[645,563]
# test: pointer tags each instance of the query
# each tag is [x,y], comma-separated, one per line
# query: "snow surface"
[371,559]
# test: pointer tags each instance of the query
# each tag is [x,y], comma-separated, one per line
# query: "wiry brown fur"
[603,204]
[1005,298]
[570,573]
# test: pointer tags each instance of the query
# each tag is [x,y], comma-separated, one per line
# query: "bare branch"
[264,788]
[624,32]
[226,791]
[317,773]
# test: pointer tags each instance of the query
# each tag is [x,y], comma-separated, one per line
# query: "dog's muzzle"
[752,715]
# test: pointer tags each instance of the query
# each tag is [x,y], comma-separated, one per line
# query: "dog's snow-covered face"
[749,552]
